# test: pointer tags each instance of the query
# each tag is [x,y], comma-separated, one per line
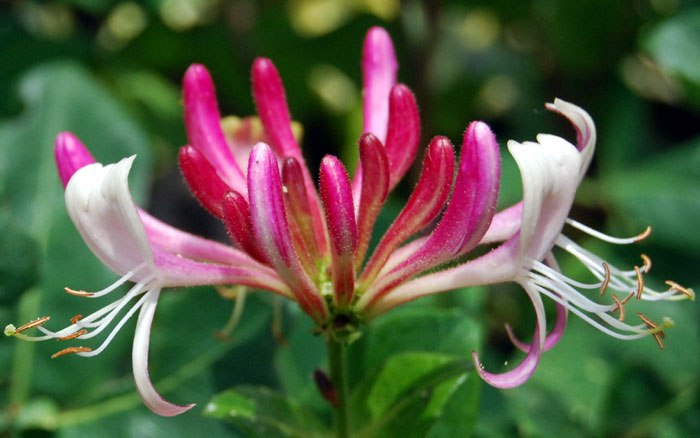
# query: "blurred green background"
[110,72]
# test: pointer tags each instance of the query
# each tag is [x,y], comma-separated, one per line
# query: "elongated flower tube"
[311,245]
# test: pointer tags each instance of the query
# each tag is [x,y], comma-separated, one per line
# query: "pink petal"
[422,207]
[521,373]
[272,230]
[71,155]
[379,68]
[203,180]
[340,217]
[376,163]
[403,132]
[296,200]
[203,124]
[139,358]
[270,99]
[471,208]
[552,338]
[504,224]
[236,215]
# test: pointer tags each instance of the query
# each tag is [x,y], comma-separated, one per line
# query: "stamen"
[606,238]
[32,324]
[640,283]
[684,290]
[76,318]
[73,336]
[655,330]
[110,288]
[620,307]
[606,281]
[70,350]
[647,263]
[80,293]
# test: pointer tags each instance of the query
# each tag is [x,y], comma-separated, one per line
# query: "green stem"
[339,379]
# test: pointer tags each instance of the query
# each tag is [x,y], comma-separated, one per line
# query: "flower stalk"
[339,379]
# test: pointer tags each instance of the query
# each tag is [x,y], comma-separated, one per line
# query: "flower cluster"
[312,246]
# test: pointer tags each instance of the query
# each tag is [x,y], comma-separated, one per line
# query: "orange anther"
[80,293]
[70,350]
[76,318]
[659,335]
[646,233]
[620,306]
[677,287]
[640,283]
[74,335]
[606,281]
[647,263]
[33,324]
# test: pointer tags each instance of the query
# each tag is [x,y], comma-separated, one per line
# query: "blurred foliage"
[110,70]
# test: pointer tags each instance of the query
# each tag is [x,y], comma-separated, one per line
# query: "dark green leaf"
[261,412]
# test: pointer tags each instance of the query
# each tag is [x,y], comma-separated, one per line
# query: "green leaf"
[261,412]
[415,393]
[447,331]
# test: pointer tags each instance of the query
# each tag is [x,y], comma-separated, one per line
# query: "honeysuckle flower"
[311,246]
[551,171]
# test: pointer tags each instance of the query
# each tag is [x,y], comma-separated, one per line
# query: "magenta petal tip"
[71,155]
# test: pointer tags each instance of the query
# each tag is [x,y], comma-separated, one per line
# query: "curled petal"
[521,373]
[340,217]
[139,358]
[552,338]
[504,224]
[203,180]
[403,132]
[376,163]
[272,230]
[585,129]
[422,207]
[203,124]
[71,155]
[548,190]
[101,208]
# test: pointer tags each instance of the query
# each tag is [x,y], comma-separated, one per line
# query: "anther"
[620,306]
[76,318]
[606,281]
[640,283]
[655,330]
[684,290]
[72,336]
[647,263]
[33,324]
[70,350]
[646,233]
[80,293]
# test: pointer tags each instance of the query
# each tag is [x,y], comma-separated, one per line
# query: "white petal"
[549,171]
[139,358]
[101,207]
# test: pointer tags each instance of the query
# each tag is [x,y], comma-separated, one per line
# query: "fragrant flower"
[311,246]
